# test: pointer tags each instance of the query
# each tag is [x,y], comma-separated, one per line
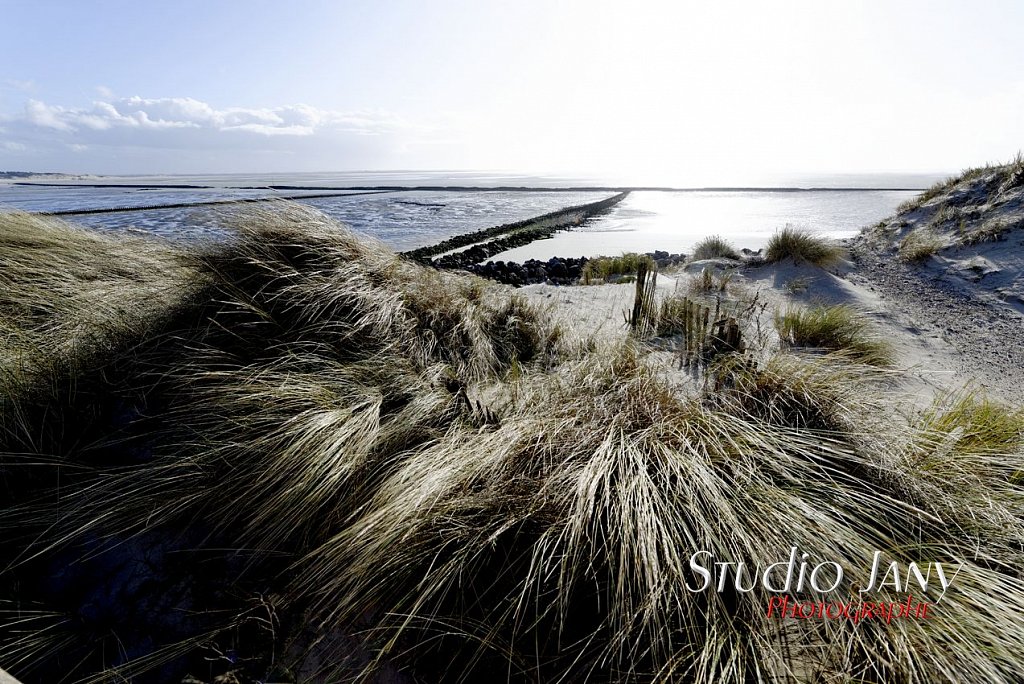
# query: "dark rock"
[555,271]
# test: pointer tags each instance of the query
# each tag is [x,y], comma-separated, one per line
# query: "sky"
[691,91]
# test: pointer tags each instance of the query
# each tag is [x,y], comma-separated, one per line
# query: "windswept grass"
[971,422]
[611,509]
[837,328]
[264,370]
[944,186]
[93,291]
[802,246]
[1001,178]
[602,269]
[1013,174]
[909,205]
[337,461]
[714,246]
[920,245]
[994,230]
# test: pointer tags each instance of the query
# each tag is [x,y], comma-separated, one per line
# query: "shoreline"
[474,188]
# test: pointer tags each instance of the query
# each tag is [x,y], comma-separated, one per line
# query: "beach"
[353,442]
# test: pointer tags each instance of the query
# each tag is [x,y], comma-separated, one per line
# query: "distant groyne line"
[204,203]
[464,250]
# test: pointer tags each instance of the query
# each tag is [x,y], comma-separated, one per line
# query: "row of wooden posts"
[702,336]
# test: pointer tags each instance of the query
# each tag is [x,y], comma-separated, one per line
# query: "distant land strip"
[469,248]
[204,203]
[469,188]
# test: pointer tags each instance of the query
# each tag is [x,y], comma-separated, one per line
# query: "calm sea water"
[646,221]
[675,221]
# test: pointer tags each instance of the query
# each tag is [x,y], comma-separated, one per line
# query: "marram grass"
[998,178]
[801,246]
[920,245]
[714,246]
[837,328]
[326,460]
[604,268]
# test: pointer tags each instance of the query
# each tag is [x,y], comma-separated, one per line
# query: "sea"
[409,209]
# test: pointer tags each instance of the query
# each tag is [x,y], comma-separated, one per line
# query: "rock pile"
[554,271]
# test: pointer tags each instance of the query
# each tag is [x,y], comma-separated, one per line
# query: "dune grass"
[837,328]
[714,246]
[321,457]
[992,230]
[919,245]
[1013,173]
[81,294]
[969,421]
[1001,178]
[602,269]
[944,186]
[295,343]
[801,246]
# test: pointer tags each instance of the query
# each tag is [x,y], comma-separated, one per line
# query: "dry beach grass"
[801,245]
[296,454]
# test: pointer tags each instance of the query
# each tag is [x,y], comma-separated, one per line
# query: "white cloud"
[183,134]
[186,112]
[41,114]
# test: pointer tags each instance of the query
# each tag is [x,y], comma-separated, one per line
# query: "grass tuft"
[920,245]
[713,247]
[604,269]
[835,328]
[802,246]
[973,423]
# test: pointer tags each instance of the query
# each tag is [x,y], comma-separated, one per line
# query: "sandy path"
[988,337]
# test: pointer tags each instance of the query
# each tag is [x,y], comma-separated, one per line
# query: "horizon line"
[472,188]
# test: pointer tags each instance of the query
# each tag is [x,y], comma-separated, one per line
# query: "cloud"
[40,114]
[184,134]
[185,112]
